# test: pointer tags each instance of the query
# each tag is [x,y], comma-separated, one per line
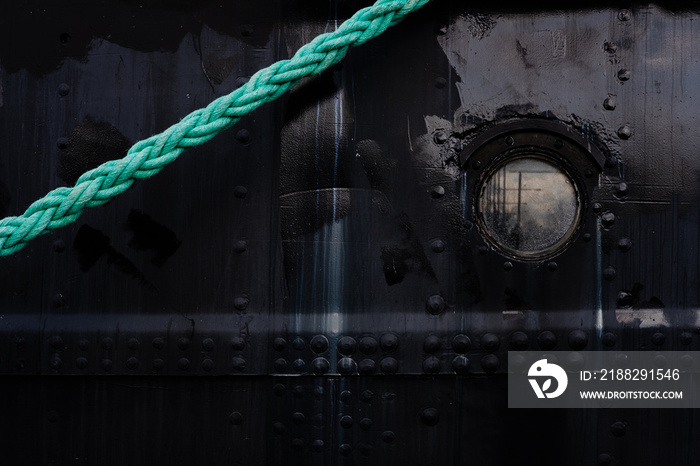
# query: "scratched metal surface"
[311,286]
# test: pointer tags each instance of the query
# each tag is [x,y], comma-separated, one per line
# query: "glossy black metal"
[315,286]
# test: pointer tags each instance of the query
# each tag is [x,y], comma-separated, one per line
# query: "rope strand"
[144,159]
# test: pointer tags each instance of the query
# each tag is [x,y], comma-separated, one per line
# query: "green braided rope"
[146,158]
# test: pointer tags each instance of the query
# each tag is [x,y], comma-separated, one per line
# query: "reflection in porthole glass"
[529,206]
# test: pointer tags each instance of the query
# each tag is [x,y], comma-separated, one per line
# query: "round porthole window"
[528,206]
[527,185]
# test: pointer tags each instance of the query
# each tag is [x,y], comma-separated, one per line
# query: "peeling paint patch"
[647,318]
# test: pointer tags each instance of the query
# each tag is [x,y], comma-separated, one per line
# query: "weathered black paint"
[328,233]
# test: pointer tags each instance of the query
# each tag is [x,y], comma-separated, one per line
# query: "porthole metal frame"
[554,142]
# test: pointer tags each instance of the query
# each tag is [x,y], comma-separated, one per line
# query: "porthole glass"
[528,206]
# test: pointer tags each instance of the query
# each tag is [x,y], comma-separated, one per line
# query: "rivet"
[241,302]
[490,342]
[461,343]
[460,365]
[432,344]
[62,143]
[578,340]
[238,343]
[509,141]
[624,244]
[388,436]
[483,250]
[238,363]
[63,89]
[368,345]
[299,391]
[435,304]
[133,344]
[622,188]
[609,273]
[107,343]
[686,338]
[106,365]
[320,366]
[366,423]
[235,418]
[278,428]
[604,459]
[208,344]
[317,445]
[440,82]
[319,391]
[609,339]
[437,245]
[389,365]
[319,344]
[388,396]
[658,339]
[132,363]
[158,365]
[345,449]
[299,344]
[240,246]
[297,444]
[624,132]
[507,266]
[490,363]
[624,299]
[19,341]
[687,362]
[299,365]
[183,364]
[278,389]
[437,192]
[609,103]
[58,300]
[240,192]
[624,15]
[431,365]
[52,415]
[81,363]
[618,429]
[366,367]
[547,340]
[367,396]
[552,266]
[298,418]
[597,207]
[59,245]
[347,366]
[476,165]
[56,342]
[158,343]
[347,346]
[183,343]
[430,416]
[207,365]
[468,225]
[440,137]
[346,422]
[610,47]
[279,344]
[587,237]
[519,341]
[346,396]
[243,136]
[608,219]
[389,342]
[624,74]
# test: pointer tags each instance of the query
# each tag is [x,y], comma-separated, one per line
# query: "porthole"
[527,185]
[528,206]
